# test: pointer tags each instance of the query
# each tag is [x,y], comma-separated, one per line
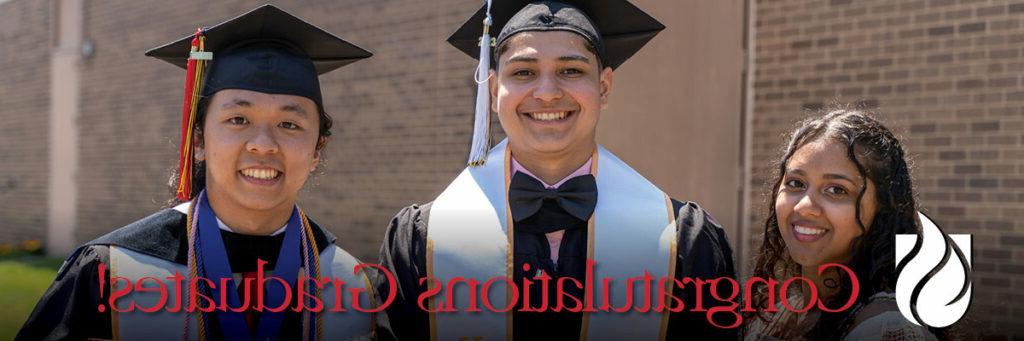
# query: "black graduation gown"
[703,252]
[68,309]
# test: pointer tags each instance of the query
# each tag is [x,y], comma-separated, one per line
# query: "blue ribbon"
[214,260]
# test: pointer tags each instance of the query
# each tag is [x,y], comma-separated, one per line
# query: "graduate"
[548,202]
[254,127]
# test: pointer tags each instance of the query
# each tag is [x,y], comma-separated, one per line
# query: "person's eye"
[836,190]
[793,184]
[522,73]
[572,71]
[239,120]
[289,125]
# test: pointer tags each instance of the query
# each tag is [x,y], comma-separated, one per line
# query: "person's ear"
[198,148]
[321,143]
[606,86]
[492,84]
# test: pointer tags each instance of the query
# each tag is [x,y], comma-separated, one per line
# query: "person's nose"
[807,206]
[548,89]
[263,141]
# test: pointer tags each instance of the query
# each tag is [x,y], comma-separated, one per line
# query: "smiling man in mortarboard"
[549,201]
[254,128]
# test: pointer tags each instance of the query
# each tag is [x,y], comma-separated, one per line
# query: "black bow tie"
[577,196]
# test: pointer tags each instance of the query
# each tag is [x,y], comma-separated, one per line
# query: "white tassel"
[482,117]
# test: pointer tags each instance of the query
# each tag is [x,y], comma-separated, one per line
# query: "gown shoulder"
[69,307]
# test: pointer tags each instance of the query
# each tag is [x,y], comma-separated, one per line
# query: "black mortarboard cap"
[616,28]
[266,50]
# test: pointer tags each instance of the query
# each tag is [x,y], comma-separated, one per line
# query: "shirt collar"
[183,208]
[583,170]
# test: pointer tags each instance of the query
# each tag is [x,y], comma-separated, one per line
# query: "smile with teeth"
[811,231]
[549,116]
[260,173]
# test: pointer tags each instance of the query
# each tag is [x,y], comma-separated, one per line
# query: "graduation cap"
[615,28]
[265,50]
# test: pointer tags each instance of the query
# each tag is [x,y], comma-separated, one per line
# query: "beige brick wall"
[947,76]
[24,119]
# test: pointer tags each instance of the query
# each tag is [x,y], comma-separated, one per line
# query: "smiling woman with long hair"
[842,191]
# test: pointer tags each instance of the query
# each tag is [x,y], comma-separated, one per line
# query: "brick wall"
[402,118]
[947,77]
[24,107]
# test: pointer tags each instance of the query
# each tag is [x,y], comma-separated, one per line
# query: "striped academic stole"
[139,325]
[470,235]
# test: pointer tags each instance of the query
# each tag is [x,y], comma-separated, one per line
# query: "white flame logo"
[937,267]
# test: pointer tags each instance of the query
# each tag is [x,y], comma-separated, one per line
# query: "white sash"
[632,230]
[137,325]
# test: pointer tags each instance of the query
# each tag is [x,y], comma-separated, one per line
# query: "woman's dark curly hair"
[199,168]
[879,157]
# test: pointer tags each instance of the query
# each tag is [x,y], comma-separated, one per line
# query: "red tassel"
[193,78]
